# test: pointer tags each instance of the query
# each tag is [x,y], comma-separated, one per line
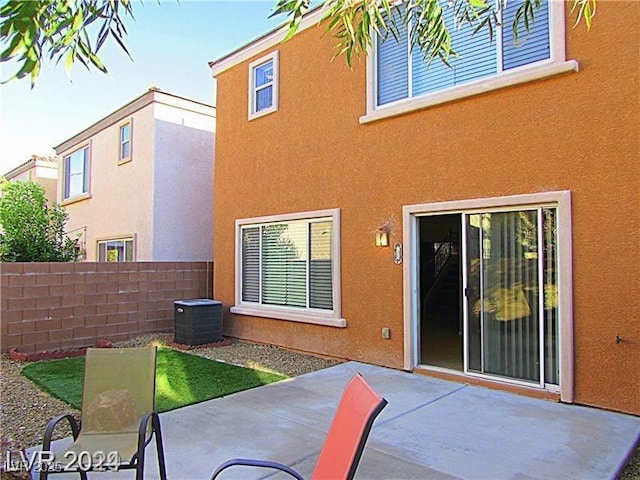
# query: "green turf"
[181,379]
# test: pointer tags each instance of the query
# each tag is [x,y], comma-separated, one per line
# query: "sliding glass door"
[511,295]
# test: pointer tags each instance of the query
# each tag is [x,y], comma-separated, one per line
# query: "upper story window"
[263,85]
[76,173]
[119,250]
[288,267]
[125,142]
[400,80]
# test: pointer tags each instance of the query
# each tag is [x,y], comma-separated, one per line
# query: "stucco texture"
[576,132]
[110,213]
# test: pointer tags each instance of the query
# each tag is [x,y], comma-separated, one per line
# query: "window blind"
[477,56]
[288,264]
[530,47]
[284,264]
[251,264]
[321,269]
[392,66]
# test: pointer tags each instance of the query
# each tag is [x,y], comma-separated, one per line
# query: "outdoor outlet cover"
[386,333]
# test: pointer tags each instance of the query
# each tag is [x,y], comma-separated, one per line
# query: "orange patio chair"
[345,441]
[118,416]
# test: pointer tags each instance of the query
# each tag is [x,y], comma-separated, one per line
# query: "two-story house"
[39,169]
[477,222]
[138,183]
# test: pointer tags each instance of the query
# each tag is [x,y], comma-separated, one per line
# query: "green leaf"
[68,64]
[15,46]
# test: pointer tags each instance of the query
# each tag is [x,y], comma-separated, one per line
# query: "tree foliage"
[33,231]
[32,30]
[355,23]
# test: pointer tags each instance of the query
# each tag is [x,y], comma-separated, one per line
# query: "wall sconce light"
[382,237]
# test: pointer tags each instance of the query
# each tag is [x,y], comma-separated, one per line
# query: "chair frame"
[286,469]
[137,460]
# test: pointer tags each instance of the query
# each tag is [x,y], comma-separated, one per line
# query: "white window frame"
[121,143]
[123,238]
[65,200]
[555,65]
[314,316]
[273,58]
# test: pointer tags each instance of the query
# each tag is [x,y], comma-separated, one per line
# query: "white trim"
[555,65]
[270,40]
[302,317]
[315,316]
[88,146]
[541,320]
[123,124]
[557,31]
[514,77]
[410,295]
[562,200]
[153,95]
[122,238]
[272,57]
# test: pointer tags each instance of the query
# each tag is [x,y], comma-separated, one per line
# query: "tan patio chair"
[345,441]
[118,416]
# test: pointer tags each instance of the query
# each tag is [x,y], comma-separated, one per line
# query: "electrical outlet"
[386,333]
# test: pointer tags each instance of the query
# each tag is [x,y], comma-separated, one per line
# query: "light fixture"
[382,236]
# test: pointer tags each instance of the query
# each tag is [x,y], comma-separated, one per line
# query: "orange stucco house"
[505,190]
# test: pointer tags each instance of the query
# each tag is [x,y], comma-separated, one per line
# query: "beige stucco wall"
[183,184]
[121,196]
[38,171]
[162,197]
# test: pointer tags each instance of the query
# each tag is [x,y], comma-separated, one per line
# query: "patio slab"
[431,429]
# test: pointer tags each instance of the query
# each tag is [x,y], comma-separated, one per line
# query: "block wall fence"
[50,306]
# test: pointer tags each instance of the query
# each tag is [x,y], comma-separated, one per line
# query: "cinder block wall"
[48,306]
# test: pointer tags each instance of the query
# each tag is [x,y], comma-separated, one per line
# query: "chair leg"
[140,466]
[159,446]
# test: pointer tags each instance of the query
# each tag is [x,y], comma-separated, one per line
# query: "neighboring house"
[42,170]
[139,182]
[506,188]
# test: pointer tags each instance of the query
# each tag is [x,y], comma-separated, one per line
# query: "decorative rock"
[111,411]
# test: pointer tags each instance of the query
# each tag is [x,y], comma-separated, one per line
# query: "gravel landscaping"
[25,410]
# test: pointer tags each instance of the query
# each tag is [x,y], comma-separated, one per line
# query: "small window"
[125,143]
[76,173]
[263,86]
[119,250]
[289,267]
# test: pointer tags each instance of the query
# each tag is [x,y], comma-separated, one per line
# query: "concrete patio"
[431,429]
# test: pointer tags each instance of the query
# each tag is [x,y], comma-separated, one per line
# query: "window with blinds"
[403,73]
[288,264]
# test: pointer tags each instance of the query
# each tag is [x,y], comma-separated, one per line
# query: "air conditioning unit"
[197,321]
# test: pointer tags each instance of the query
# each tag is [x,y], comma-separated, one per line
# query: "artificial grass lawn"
[181,379]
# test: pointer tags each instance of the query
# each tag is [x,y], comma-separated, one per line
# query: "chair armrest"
[142,429]
[48,433]
[256,463]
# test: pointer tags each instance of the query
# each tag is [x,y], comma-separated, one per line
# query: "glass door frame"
[561,200]
[540,280]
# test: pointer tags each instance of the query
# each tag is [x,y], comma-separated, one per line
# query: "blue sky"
[170,43]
